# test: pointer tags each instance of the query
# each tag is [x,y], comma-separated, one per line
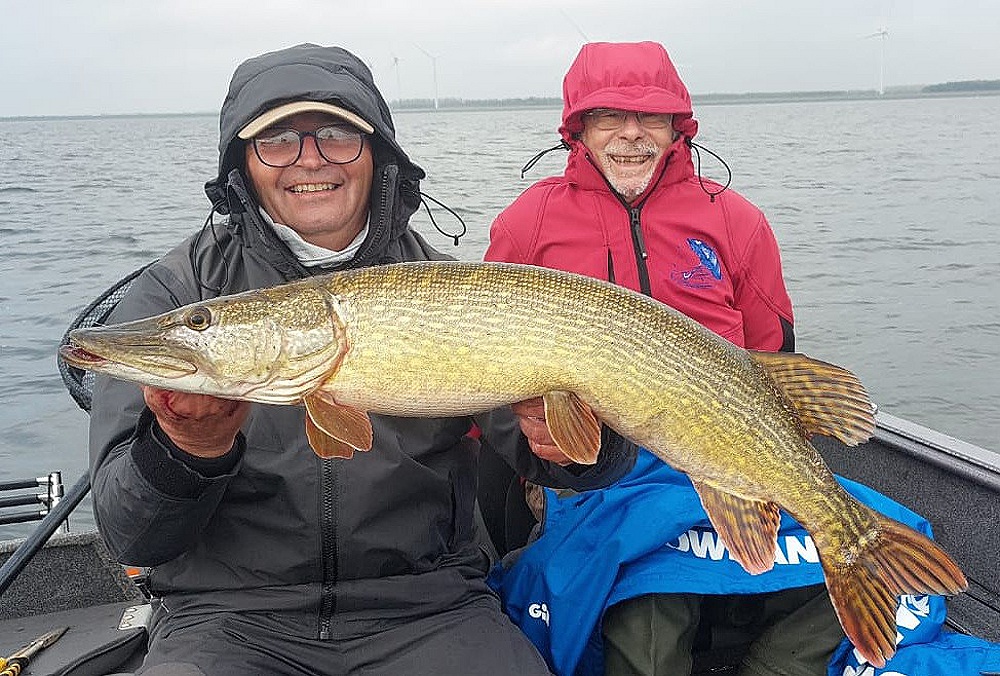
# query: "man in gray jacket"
[266,558]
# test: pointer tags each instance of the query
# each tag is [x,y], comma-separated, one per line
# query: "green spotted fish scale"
[651,373]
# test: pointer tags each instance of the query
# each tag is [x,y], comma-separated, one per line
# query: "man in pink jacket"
[631,209]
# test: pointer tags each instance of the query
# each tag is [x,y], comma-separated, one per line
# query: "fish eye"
[198,319]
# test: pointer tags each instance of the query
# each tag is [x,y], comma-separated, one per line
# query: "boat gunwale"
[962,458]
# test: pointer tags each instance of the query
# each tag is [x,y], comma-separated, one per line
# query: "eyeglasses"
[336,145]
[608,119]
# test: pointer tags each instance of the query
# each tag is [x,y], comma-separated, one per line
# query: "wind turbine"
[882,33]
[434,68]
[572,23]
[399,87]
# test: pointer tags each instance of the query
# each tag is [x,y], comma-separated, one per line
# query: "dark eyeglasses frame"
[607,114]
[302,139]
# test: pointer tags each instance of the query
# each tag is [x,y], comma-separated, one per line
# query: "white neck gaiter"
[311,255]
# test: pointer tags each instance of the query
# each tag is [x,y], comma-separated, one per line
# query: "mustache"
[641,147]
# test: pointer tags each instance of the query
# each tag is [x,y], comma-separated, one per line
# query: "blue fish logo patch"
[703,275]
[707,256]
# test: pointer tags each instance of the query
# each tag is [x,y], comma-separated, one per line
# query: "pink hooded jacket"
[711,256]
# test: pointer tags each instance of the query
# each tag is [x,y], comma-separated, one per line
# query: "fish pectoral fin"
[828,399]
[344,424]
[573,426]
[324,445]
[748,527]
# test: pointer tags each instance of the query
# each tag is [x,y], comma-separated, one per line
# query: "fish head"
[271,346]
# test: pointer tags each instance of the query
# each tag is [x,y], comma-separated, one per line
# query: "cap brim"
[266,119]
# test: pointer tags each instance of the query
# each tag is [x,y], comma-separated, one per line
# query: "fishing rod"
[21,556]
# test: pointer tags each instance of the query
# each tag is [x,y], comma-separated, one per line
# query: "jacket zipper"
[639,245]
[328,599]
[382,220]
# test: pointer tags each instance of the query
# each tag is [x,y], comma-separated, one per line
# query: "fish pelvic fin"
[865,591]
[573,426]
[324,445]
[748,527]
[828,399]
[335,430]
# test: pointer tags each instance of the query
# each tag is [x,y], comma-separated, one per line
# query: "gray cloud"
[120,56]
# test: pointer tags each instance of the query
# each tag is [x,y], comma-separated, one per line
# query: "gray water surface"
[887,213]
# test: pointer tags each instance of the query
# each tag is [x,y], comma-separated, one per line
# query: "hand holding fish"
[199,424]
[531,417]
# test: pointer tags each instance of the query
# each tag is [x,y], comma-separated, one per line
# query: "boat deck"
[73,582]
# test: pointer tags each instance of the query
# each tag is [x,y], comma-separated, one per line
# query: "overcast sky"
[65,57]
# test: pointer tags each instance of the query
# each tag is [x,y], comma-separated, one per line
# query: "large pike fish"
[441,339]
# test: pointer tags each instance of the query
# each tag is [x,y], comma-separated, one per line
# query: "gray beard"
[632,186]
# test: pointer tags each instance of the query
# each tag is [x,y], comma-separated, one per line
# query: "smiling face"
[325,203]
[628,155]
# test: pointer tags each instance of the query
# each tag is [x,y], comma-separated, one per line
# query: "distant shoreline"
[700,99]
[946,90]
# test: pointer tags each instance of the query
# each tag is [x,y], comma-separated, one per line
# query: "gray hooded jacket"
[271,527]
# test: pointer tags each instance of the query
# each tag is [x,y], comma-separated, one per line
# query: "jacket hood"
[628,76]
[305,72]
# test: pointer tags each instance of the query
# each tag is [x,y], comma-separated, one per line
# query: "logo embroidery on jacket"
[705,273]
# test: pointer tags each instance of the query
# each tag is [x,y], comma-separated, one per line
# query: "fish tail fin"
[865,594]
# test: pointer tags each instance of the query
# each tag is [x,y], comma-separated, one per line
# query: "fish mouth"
[90,350]
[74,355]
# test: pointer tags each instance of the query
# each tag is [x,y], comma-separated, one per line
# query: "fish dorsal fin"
[748,527]
[828,399]
[573,426]
[344,424]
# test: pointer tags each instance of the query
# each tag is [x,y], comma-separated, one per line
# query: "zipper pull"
[633,216]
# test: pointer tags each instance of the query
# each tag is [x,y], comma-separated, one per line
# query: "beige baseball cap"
[269,117]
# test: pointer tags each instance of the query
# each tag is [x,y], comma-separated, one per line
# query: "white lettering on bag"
[865,669]
[539,611]
[706,544]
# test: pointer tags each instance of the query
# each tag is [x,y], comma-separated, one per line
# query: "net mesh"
[79,382]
